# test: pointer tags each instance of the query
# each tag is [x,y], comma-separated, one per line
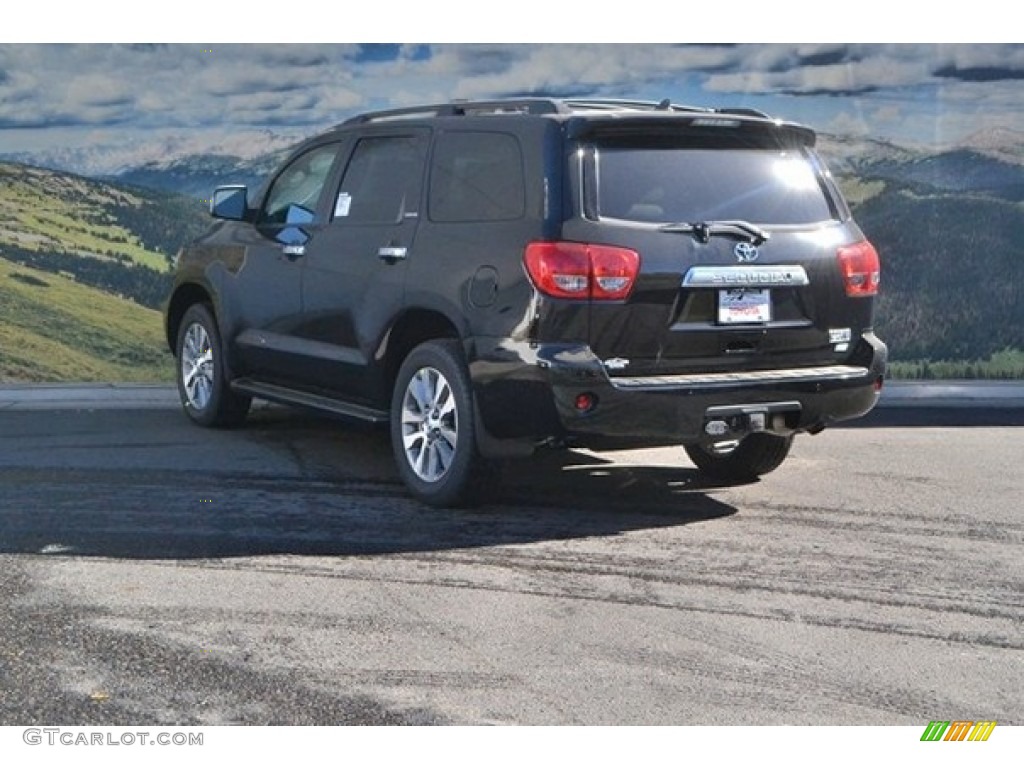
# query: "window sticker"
[342,205]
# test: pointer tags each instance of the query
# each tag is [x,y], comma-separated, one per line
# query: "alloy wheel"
[430,425]
[197,366]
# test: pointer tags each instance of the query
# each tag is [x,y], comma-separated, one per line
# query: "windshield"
[657,184]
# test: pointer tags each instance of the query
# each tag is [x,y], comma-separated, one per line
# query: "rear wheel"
[433,430]
[755,455]
[202,383]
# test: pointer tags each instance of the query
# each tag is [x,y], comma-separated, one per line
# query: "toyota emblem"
[745,252]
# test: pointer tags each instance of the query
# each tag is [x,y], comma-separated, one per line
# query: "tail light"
[861,268]
[582,270]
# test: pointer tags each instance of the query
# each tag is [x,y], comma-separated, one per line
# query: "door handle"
[391,253]
[294,251]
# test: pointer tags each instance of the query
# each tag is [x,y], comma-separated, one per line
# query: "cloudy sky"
[202,95]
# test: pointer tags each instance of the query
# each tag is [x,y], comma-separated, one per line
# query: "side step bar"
[723,380]
[288,396]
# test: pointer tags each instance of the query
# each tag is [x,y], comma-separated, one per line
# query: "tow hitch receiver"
[732,422]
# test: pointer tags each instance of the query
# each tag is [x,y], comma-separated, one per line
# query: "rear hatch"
[739,230]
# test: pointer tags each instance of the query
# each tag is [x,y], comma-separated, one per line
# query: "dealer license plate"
[744,305]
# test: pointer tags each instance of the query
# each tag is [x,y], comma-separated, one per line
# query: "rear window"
[658,184]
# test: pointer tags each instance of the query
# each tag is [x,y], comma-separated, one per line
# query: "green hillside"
[43,210]
[117,238]
[84,266]
[55,329]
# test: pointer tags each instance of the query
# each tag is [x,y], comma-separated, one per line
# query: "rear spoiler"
[718,129]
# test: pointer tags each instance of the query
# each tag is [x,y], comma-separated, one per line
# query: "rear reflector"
[582,270]
[861,269]
[585,402]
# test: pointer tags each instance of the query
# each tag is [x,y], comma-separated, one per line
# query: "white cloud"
[203,90]
[575,68]
[874,73]
[847,124]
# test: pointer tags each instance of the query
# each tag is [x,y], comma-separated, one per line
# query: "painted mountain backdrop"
[949,226]
[92,254]
[83,268]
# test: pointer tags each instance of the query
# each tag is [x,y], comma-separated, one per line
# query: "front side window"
[296,191]
[678,184]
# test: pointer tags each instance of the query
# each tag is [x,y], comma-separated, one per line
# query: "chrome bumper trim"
[718,380]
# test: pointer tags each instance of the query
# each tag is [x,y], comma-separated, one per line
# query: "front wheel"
[433,431]
[755,455]
[202,383]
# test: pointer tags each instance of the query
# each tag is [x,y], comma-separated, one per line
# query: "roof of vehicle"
[584,114]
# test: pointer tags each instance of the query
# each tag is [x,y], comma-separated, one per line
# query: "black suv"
[491,277]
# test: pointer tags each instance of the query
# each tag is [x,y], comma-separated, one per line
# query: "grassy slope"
[45,210]
[53,329]
[857,190]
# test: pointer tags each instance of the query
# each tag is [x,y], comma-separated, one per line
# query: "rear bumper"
[530,392]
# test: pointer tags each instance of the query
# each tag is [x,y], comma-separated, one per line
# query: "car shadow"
[345,499]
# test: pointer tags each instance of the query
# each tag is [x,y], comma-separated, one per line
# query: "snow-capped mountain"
[191,166]
[112,160]
[1004,144]
[988,162]
[847,154]
[198,175]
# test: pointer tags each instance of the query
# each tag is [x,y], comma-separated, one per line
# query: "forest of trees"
[952,274]
[142,285]
[164,222]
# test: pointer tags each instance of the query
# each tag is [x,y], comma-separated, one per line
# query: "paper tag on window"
[343,203]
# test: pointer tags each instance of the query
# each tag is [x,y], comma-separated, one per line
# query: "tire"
[203,385]
[433,429]
[756,455]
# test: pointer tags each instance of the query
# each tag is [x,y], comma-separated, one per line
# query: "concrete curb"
[59,397]
[896,394]
[952,394]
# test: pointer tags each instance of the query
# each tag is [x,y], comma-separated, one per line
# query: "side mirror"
[292,235]
[230,202]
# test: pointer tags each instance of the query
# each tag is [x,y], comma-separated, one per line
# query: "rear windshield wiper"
[704,230]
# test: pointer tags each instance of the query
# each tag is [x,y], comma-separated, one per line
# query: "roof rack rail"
[610,104]
[665,105]
[526,106]
[539,106]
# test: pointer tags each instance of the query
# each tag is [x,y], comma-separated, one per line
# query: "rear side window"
[476,176]
[658,184]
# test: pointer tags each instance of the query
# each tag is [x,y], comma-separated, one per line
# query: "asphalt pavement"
[156,572]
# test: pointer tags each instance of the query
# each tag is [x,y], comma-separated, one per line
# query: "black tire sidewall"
[452,489]
[756,455]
